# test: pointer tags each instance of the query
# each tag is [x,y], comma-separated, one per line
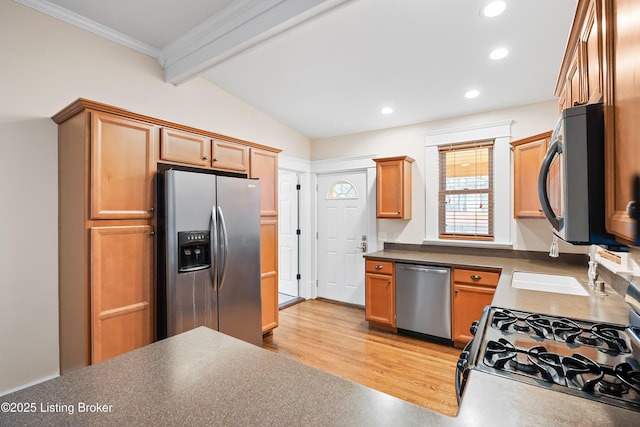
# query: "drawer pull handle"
[205,158]
[475,277]
[378,267]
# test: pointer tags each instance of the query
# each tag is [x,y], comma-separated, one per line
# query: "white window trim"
[500,132]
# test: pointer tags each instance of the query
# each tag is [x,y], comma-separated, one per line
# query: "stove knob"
[463,362]
[474,328]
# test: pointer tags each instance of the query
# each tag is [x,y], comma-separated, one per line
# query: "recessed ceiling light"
[499,53]
[472,94]
[464,165]
[386,110]
[494,8]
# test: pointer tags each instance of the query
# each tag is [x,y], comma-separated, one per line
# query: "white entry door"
[342,223]
[287,233]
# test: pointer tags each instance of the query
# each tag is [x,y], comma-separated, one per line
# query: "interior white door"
[287,234]
[342,226]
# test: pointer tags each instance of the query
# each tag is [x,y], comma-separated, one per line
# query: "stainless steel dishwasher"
[423,300]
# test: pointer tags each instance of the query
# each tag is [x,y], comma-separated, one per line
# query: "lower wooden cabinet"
[269,273]
[121,281]
[472,291]
[380,293]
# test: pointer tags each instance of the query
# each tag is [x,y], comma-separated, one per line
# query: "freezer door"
[239,291]
[191,299]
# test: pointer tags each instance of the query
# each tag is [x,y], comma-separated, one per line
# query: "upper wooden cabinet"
[622,111]
[185,147]
[393,187]
[527,158]
[122,167]
[230,156]
[264,166]
[198,150]
[603,43]
[581,77]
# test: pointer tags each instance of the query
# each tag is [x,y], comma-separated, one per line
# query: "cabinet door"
[468,303]
[264,165]
[574,86]
[269,272]
[393,187]
[380,299]
[230,156]
[185,147]
[122,167]
[591,50]
[527,158]
[121,280]
[389,189]
[622,111]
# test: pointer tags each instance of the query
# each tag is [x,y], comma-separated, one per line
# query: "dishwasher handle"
[424,269]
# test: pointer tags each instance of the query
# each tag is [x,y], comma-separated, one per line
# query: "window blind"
[466,191]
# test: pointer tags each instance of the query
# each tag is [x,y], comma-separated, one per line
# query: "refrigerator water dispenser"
[193,251]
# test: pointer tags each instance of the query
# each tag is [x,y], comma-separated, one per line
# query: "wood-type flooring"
[336,339]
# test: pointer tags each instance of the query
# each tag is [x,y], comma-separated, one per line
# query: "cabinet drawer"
[476,277]
[382,267]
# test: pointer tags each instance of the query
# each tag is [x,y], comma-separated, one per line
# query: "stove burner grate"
[603,336]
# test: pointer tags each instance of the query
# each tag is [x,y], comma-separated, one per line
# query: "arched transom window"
[342,190]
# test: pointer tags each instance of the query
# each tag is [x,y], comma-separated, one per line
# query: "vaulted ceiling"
[327,67]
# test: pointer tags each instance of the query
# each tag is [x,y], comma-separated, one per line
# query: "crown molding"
[94,27]
[240,26]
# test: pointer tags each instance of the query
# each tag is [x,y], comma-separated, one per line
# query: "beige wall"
[46,64]
[410,140]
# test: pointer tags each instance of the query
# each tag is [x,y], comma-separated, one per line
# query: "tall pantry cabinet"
[107,163]
[106,169]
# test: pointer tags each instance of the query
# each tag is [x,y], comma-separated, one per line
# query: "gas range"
[597,361]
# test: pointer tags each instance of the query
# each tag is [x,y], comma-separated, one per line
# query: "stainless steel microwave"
[571,180]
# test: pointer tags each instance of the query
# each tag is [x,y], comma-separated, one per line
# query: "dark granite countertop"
[611,308]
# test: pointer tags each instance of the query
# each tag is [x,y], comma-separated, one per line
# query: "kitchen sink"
[547,283]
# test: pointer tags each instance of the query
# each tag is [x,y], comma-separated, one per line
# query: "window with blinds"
[466,191]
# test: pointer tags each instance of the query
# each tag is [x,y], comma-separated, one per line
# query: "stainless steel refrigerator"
[209,254]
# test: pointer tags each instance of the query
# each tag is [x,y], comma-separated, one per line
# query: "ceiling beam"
[241,26]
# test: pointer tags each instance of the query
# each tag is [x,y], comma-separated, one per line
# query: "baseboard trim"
[41,380]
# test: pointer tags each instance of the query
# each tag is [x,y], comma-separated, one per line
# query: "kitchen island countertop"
[205,378]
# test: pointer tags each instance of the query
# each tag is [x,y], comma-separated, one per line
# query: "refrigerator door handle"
[213,247]
[225,247]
